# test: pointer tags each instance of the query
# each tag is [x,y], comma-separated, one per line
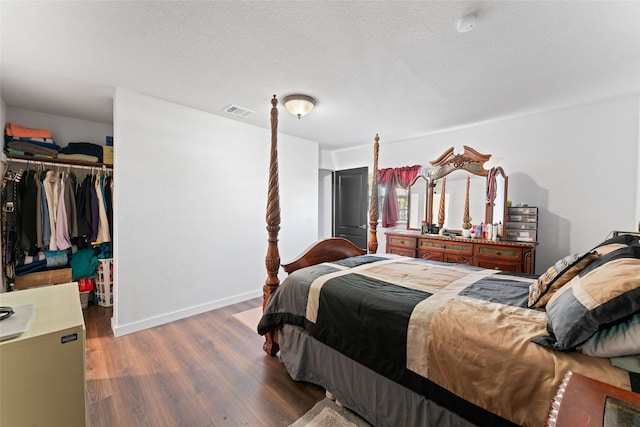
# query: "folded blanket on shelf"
[13,129]
[81,157]
[24,153]
[87,148]
[33,148]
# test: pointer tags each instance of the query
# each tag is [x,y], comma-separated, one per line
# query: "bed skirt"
[378,400]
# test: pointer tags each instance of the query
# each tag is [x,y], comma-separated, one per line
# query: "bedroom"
[559,159]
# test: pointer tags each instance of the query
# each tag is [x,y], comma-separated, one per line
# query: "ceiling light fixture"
[467,23]
[299,105]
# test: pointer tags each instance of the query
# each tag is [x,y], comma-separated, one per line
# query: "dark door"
[350,205]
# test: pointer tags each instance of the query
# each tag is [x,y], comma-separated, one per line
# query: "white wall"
[189,204]
[578,165]
[325,188]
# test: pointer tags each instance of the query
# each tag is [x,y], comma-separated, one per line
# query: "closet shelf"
[37,160]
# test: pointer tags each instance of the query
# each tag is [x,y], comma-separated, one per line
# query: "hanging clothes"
[44,214]
[11,223]
[52,190]
[29,195]
[63,241]
[39,228]
[103,221]
[48,216]
[83,212]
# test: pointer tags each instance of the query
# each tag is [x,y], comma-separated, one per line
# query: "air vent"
[236,111]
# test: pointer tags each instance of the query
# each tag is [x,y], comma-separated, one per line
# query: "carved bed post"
[272,260]
[373,207]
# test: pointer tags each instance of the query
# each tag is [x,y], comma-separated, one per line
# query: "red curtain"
[387,179]
[390,179]
[407,174]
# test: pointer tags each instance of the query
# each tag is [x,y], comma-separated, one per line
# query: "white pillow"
[621,339]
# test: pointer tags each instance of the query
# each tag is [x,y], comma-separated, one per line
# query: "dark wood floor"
[206,370]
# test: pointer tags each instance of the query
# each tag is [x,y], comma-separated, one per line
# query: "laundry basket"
[104,282]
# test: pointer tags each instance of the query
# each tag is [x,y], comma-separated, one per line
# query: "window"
[403,202]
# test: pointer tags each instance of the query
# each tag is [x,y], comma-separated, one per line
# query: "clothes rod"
[99,166]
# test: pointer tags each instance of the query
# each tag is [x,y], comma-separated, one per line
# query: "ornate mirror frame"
[470,161]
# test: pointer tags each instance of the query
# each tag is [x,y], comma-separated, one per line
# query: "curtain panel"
[390,179]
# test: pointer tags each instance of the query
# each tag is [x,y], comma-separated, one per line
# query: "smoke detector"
[467,23]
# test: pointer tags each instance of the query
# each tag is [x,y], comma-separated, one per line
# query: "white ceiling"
[395,68]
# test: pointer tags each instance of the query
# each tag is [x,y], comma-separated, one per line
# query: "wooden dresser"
[517,257]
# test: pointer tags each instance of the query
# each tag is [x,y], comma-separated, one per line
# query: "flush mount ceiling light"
[467,23]
[299,105]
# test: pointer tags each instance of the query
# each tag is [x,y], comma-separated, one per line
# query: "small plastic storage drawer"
[522,225]
[522,218]
[528,210]
[522,235]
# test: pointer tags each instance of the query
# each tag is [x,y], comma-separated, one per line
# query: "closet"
[54,211]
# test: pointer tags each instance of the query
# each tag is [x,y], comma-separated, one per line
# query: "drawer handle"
[426,255]
[463,260]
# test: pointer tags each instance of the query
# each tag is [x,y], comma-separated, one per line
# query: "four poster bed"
[407,341]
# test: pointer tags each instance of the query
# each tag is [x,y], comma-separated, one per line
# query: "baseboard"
[120,330]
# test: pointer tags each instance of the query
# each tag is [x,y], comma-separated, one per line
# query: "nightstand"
[585,402]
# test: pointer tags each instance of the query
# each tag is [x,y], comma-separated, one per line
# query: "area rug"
[327,414]
[249,318]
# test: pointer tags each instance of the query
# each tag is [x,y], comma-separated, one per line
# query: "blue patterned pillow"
[603,293]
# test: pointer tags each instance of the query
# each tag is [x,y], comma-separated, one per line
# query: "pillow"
[628,363]
[604,292]
[617,242]
[620,339]
[557,276]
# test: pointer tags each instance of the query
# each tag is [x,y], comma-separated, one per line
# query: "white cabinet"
[42,371]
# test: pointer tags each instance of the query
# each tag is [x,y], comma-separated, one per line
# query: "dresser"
[517,257]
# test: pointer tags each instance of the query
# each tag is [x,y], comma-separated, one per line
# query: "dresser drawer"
[401,251]
[458,259]
[402,241]
[508,253]
[496,264]
[463,248]
[431,255]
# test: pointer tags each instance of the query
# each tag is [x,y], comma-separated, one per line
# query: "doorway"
[350,205]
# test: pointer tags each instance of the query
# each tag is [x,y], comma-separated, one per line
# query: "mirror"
[497,201]
[417,203]
[487,192]
[451,172]
[455,190]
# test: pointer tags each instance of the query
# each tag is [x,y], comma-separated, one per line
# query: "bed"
[406,341]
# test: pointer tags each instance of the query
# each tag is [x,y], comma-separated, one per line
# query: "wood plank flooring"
[206,370]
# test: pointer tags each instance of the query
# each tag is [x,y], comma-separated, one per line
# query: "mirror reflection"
[417,203]
[497,190]
[455,193]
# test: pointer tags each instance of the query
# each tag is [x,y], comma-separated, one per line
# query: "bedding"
[557,276]
[458,335]
[605,292]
